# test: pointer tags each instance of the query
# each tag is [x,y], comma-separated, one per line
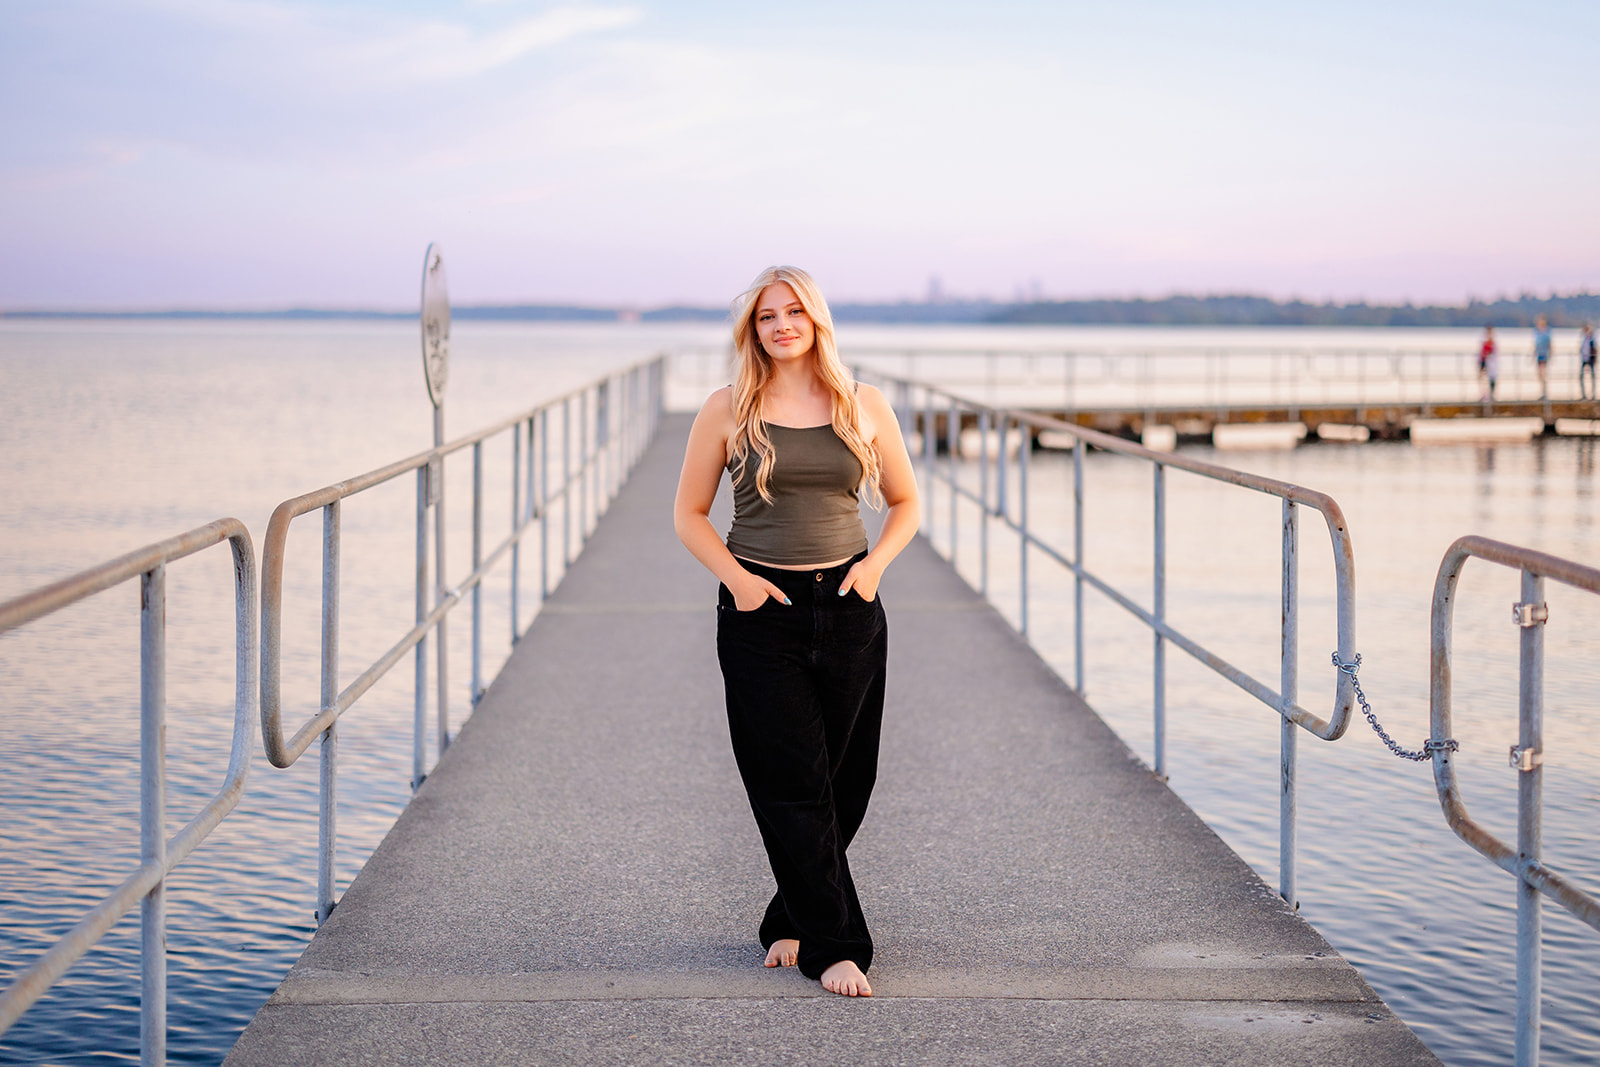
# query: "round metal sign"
[435,324]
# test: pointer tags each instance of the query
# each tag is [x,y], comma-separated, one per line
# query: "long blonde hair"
[753,373]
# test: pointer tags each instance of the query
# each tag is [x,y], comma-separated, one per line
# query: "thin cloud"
[441,51]
[368,50]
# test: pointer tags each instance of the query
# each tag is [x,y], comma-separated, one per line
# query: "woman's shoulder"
[716,414]
[875,409]
[719,406]
[714,425]
[871,398]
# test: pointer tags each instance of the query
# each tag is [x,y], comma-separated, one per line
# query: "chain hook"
[1431,747]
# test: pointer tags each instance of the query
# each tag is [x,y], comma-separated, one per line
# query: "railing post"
[516,521]
[327,811]
[624,431]
[476,691]
[625,427]
[544,505]
[1294,385]
[1159,661]
[584,471]
[530,505]
[953,444]
[566,483]
[983,493]
[1289,692]
[419,717]
[618,462]
[639,418]
[1001,509]
[652,399]
[153,813]
[1024,446]
[1077,560]
[929,440]
[605,453]
[1530,817]
[1222,386]
[440,592]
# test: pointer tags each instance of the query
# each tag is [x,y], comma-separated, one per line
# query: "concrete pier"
[580,878]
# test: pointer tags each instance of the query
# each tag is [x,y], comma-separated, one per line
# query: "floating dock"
[1382,421]
[580,878]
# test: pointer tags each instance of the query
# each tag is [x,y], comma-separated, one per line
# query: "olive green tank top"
[815,514]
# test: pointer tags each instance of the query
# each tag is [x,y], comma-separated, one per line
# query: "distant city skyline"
[269,154]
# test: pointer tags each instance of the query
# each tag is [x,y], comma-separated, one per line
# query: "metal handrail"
[1527,756]
[1290,377]
[996,506]
[625,409]
[158,854]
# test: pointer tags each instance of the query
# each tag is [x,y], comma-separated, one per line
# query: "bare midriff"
[795,566]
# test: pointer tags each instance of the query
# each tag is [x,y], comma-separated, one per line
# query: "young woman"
[1586,360]
[1488,364]
[1541,354]
[801,634]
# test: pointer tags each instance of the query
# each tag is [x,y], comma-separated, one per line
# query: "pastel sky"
[264,153]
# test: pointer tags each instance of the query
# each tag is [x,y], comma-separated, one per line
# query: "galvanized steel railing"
[920,408]
[994,503]
[1527,757]
[158,855]
[609,422]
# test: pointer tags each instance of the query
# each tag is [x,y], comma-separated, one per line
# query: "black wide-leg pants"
[804,685]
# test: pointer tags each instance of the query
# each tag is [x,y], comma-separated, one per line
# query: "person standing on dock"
[1488,364]
[1586,354]
[1541,355]
[801,634]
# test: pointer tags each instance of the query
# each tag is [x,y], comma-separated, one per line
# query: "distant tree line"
[1573,310]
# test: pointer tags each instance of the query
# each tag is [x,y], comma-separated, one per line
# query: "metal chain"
[1429,747]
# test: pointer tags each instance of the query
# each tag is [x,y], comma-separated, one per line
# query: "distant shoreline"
[1240,310]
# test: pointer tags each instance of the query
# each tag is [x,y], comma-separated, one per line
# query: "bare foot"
[846,979]
[783,953]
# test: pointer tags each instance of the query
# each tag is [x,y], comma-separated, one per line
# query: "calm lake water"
[118,434]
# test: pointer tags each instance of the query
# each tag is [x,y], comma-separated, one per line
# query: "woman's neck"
[795,380]
[796,397]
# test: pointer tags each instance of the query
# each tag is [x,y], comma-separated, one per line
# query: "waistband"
[791,581]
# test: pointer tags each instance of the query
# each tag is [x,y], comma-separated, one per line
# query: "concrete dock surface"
[580,878]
